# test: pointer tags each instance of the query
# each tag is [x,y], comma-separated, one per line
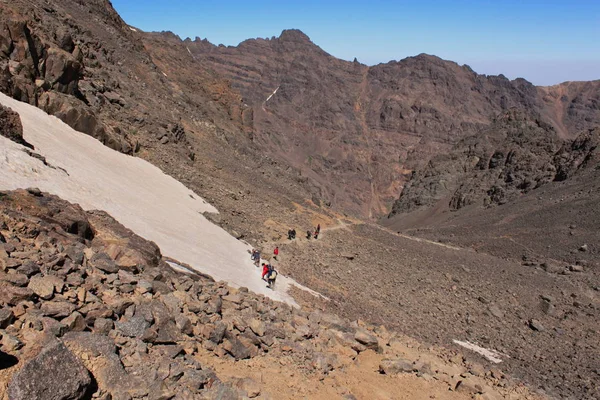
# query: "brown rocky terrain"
[90,310]
[501,170]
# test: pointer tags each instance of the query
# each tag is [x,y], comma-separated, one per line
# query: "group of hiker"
[309,234]
[269,273]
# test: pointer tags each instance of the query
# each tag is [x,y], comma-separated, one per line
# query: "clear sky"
[543,41]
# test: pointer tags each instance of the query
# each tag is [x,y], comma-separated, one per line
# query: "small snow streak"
[133,29]
[272,94]
[491,355]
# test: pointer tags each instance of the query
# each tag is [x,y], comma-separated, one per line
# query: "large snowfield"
[136,193]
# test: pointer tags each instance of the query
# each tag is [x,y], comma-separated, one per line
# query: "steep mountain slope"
[359,131]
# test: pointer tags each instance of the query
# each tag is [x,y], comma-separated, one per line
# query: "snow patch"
[272,94]
[132,29]
[490,355]
[135,192]
[165,75]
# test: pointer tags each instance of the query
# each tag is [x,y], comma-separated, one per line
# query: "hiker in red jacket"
[265,270]
[276,252]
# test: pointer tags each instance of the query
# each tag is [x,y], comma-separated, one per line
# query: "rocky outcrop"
[10,126]
[54,374]
[514,156]
[103,315]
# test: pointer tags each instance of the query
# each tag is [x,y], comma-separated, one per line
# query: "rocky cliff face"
[358,132]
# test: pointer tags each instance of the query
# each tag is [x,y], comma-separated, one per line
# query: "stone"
[576,268]
[55,374]
[584,248]
[6,317]
[258,327]
[536,325]
[75,322]
[184,324]
[396,366]
[16,279]
[10,343]
[42,286]
[34,191]
[103,326]
[217,334]
[248,385]
[547,307]
[29,268]
[57,309]
[134,327]
[103,262]
[469,387]
[494,310]
[12,295]
[53,327]
[367,339]
[237,349]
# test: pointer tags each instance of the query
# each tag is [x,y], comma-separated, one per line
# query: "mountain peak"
[294,35]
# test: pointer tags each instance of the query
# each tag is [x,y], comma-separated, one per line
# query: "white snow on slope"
[272,94]
[490,355]
[132,29]
[136,193]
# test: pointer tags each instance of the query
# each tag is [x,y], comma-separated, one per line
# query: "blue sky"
[546,42]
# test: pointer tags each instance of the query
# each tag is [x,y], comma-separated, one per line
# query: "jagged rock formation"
[514,156]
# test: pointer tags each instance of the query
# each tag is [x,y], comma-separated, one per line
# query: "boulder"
[217,334]
[103,326]
[10,126]
[367,339]
[103,262]
[57,309]
[55,374]
[12,295]
[6,317]
[237,349]
[43,286]
[258,327]
[397,366]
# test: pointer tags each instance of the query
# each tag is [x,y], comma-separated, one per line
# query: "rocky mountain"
[492,184]
[357,131]
[350,135]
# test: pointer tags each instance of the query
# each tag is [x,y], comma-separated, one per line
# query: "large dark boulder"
[11,127]
[55,374]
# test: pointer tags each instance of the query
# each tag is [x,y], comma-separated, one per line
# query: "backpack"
[273,275]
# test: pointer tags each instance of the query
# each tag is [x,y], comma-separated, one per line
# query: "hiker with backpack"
[308,234]
[271,277]
[265,271]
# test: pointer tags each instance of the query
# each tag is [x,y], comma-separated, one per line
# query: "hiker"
[318,228]
[253,255]
[308,235]
[265,271]
[316,234]
[275,252]
[271,278]
[290,234]
[257,258]
[293,233]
